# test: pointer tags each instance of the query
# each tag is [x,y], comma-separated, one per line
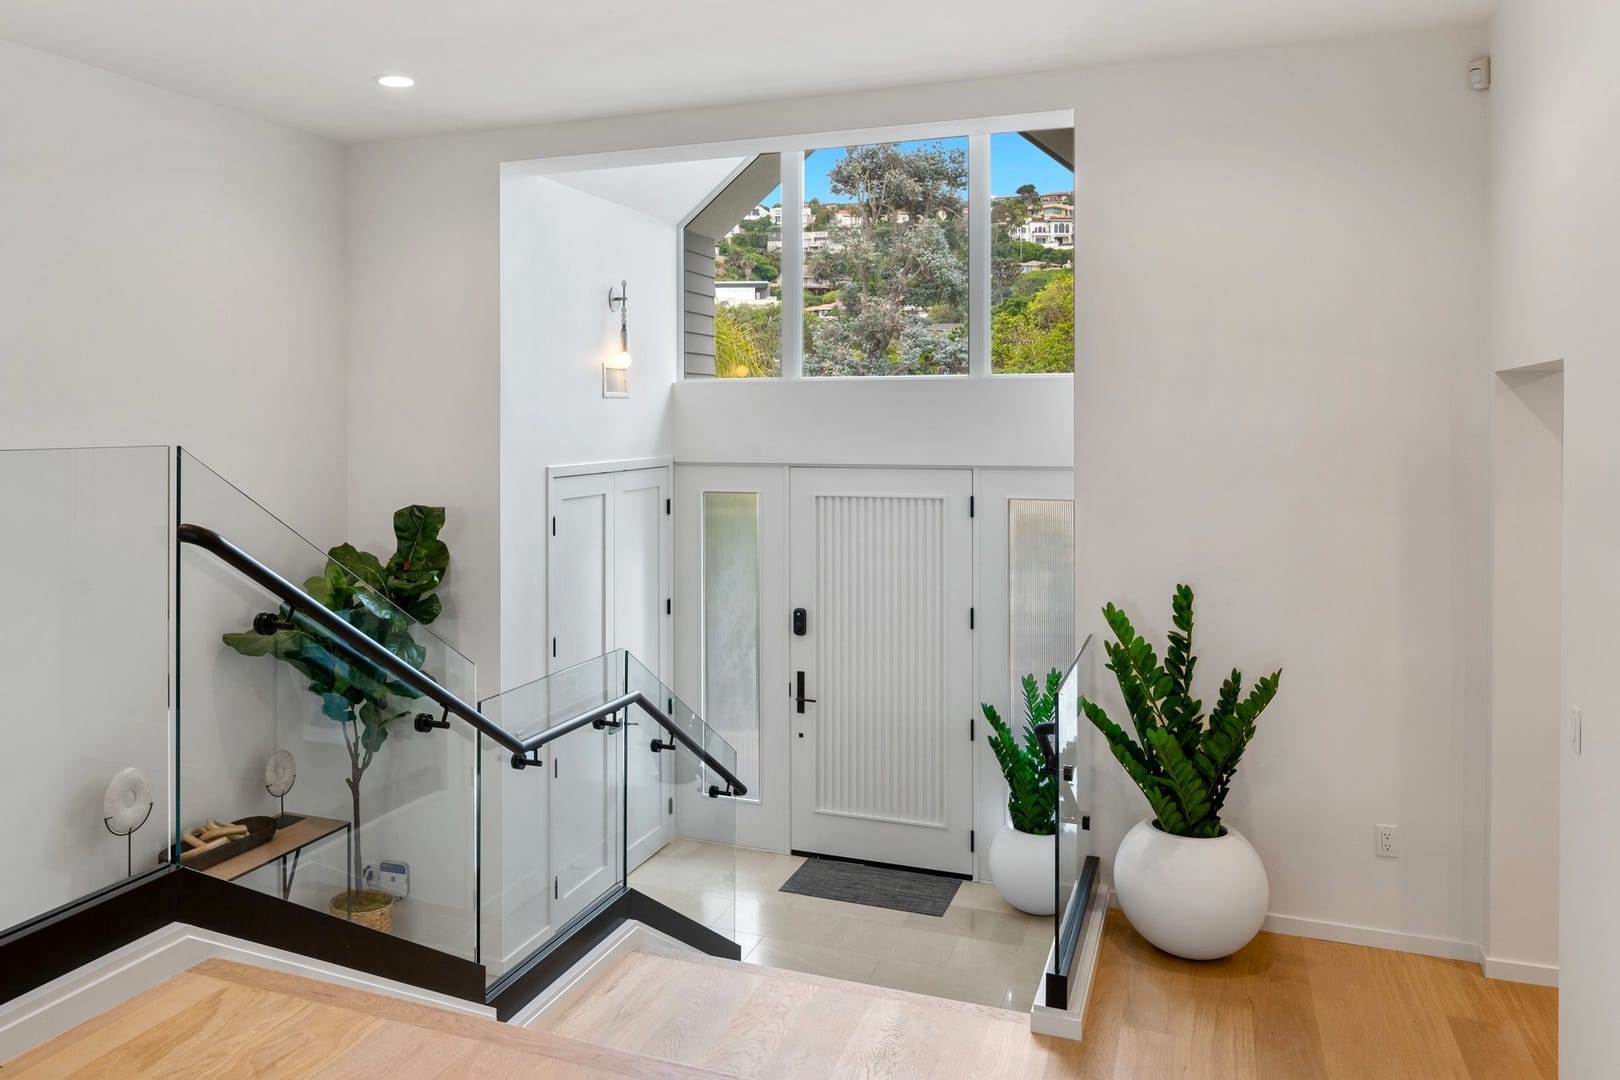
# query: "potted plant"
[383,601]
[1190,884]
[1023,855]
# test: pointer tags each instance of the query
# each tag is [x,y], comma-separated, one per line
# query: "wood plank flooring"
[1295,1008]
[1284,1008]
[227,1020]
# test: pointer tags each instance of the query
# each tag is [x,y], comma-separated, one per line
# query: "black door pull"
[799,700]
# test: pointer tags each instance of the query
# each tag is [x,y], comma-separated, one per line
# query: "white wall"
[968,423]
[561,250]
[171,272]
[1282,289]
[1557,270]
[1283,297]
[1521,932]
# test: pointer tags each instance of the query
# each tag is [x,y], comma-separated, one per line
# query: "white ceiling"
[667,192]
[486,63]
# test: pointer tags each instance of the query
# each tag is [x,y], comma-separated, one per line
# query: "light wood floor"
[225,1020]
[1285,1008]
[1293,1007]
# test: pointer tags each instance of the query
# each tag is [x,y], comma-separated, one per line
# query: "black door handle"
[799,700]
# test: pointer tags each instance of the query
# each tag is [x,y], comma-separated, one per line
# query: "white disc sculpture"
[279,773]
[128,801]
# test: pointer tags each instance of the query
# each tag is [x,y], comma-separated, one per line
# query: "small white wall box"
[394,878]
[1479,73]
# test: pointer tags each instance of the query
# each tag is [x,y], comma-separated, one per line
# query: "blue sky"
[1014,161]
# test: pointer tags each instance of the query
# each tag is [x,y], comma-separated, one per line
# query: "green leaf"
[250,643]
[362,564]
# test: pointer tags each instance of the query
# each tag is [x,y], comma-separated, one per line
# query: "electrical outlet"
[1387,841]
[394,878]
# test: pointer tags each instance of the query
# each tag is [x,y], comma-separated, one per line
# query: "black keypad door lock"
[801,622]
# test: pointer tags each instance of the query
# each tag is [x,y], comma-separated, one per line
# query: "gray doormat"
[874,886]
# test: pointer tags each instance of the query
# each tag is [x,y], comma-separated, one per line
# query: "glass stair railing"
[631,782]
[322,748]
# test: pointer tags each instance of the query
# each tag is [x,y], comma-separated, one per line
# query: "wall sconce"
[616,368]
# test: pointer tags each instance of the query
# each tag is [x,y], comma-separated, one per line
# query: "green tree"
[1033,330]
[747,341]
[906,252]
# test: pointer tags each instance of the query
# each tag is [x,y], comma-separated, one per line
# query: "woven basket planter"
[371,909]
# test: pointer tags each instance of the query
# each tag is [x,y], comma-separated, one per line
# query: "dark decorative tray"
[260,830]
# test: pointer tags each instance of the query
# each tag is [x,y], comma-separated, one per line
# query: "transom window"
[948,256]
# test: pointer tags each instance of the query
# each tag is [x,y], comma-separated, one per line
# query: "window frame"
[978,134]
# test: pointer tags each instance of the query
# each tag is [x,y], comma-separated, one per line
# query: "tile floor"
[981,950]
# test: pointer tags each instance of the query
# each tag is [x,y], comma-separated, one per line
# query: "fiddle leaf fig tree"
[1031,785]
[383,600]
[1181,758]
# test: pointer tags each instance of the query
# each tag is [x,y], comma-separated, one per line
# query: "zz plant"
[383,600]
[1031,786]
[1182,759]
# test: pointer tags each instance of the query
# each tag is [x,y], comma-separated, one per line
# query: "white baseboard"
[1422,945]
[1069,1023]
[1351,934]
[69,1000]
[1520,971]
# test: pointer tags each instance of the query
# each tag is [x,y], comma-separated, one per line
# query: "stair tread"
[223,1018]
[766,1022]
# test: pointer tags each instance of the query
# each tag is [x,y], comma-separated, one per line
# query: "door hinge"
[971,735]
[672,804]
[971,618]
[971,846]
[554,648]
[556,889]
[667,508]
[970,506]
[669,709]
[669,605]
[554,774]
[553,524]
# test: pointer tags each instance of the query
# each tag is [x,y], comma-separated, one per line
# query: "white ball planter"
[1024,868]
[1197,899]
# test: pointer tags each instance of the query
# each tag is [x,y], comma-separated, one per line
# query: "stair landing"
[746,1020]
[223,1019]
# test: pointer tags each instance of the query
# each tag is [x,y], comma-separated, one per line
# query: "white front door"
[732,547]
[882,666]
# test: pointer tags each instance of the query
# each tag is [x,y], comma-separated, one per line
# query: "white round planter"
[1197,899]
[1024,867]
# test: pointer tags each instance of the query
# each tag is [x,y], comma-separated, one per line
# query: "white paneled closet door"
[642,568]
[609,569]
[882,562]
[584,814]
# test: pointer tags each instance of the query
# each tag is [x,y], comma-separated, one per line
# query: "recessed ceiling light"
[396,82]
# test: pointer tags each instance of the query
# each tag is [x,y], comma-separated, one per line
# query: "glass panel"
[1040,588]
[1031,256]
[553,832]
[360,787]
[525,857]
[885,259]
[731,631]
[84,655]
[1074,842]
[733,294]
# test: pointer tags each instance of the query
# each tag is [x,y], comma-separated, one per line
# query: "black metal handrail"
[306,607]
[637,698]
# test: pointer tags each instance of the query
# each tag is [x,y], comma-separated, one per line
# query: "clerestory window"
[945,256]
